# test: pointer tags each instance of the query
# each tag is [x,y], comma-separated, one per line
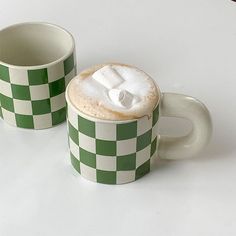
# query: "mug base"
[109,177]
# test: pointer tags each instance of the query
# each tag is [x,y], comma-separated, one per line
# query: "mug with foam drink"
[37,60]
[113,113]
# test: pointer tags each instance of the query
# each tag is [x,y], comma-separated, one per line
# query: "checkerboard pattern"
[35,99]
[112,153]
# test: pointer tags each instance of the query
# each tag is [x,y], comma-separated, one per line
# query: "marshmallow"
[121,98]
[108,77]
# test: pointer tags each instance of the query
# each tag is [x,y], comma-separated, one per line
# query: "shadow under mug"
[37,61]
[118,152]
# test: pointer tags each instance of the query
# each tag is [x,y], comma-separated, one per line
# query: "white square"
[74,148]
[143,155]
[18,76]
[58,102]
[154,131]
[105,131]
[153,159]
[22,107]
[87,143]
[72,117]
[125,147]
[39,92]
[9,117]
[106,162]
[69,76]
[56,72]
[143,125]
[42,121]
[5,88]
[123,177]
[88,172]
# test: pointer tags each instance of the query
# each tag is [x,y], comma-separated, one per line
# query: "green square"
[59,116]
[86,126]
[57,87]
[104,147]
[127,162]
[106,177]
[126,131]
[155,115]
[4,73]
[41,107]
[73,133]
[24,121]
[7,103]
[38,77]
[75,162]
[154,146]
[69,64]
[20,92]
[87,158]
[144,140]
[142,170]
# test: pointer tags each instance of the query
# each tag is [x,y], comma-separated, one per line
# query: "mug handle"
[178,105]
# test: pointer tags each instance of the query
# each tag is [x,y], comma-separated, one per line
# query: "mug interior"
[34,44]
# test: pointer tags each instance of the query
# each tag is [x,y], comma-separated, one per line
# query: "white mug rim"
[46,65]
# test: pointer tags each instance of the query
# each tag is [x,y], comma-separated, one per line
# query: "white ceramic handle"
[177,105]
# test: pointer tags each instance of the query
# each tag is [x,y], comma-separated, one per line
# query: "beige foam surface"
[91,98]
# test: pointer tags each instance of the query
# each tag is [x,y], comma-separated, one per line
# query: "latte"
[113,92]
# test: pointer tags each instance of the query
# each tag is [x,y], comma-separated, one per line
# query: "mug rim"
[46,65]
[94,119]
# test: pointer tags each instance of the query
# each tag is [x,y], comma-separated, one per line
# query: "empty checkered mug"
[37,60]
[118,152]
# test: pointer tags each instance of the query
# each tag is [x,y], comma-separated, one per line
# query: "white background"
[187,46]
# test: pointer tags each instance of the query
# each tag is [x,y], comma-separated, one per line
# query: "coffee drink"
[114,92]
[113,115]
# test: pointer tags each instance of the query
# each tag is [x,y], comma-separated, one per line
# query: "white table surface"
[189,47]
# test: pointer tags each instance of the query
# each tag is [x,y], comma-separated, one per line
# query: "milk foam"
[114,91]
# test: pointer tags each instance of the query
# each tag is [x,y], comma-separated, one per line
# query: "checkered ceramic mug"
[37,60]
[117,152]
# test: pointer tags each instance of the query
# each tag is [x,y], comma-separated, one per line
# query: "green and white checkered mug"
[37,61]
[118,152]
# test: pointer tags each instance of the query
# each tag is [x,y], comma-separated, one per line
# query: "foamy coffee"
[113,92]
